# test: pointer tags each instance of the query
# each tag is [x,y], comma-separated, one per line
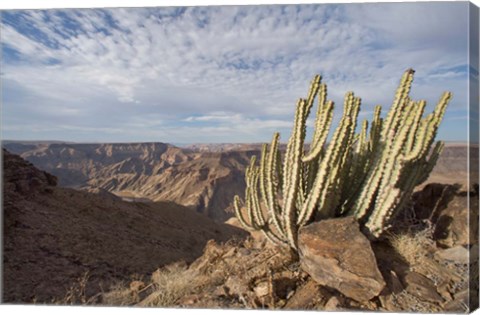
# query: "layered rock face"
[203,181]
[204,177]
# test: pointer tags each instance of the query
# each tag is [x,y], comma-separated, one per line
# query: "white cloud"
[226,66]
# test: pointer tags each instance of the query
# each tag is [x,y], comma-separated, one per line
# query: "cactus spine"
[370,174]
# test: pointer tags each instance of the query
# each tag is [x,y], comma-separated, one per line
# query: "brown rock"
[236,286]
[336,254]
[457,254]
[244,251]
[220,291]
[20,176]
[388,302]
[189,300]
[434,197]
[421,287]
[444,290]
[307,296]
[262,289]
[452,225]
[460,303]
[230,253]
[333,304]
[394,283]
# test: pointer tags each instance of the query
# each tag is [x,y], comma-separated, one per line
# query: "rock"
[336,254]
[262,289]
[211,252]
[388,303]
[421,287]
[244,251]
[333,304]
[236,286]
[459,304]
[285,283]
[457,254]
[22,177]
[394,283]
[307,296]
[220,291]
[230,253]
[189,300]
[450,207]
[452,226]
[444,290]
[433,197]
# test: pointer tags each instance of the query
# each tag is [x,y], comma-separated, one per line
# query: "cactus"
[370,174]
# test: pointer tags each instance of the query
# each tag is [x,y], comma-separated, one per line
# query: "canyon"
[202,177]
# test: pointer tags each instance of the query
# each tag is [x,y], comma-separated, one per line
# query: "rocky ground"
[74,247]
[55,238]
[422,266]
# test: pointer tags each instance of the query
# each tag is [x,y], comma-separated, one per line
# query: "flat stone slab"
[336,254]
[457,254]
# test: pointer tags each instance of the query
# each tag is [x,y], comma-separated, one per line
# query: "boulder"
[308,296]
[421,287]
[457,254]
[452,227]
[433,197]
[393,283]
[336,254]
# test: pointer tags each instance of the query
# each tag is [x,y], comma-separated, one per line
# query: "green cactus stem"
[370,174]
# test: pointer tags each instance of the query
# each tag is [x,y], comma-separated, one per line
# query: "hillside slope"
[53,235]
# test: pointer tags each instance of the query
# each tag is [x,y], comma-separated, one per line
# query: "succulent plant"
[370,174]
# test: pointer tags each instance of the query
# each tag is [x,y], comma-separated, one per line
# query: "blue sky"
[220,74]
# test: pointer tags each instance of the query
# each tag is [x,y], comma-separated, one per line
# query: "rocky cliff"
[204,177]
[203,181]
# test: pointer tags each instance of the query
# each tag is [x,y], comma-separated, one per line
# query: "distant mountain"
[222,147]
[229,147]
[204,181]
[52,236]
[204,177]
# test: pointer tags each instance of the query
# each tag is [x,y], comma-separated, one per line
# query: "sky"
[220,73]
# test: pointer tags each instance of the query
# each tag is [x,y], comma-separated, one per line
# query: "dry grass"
[166,287]
[171,283]
[120,295]
[415,248]
[76,294]
[224,276]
